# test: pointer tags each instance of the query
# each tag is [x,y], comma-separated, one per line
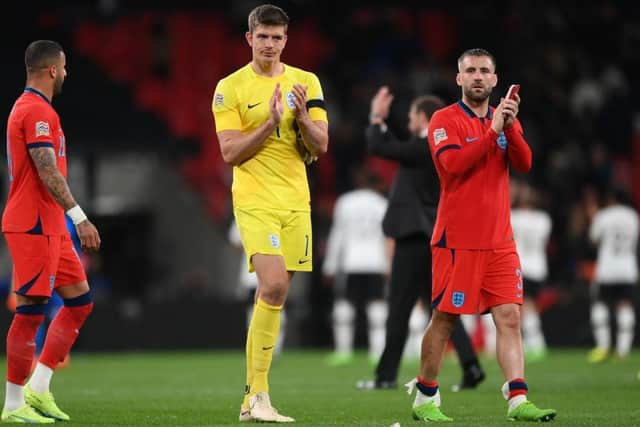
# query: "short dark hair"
[477,51]
[428,104]
[267,14]
[41,54]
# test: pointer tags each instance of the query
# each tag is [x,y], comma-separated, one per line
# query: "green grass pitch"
[205,389]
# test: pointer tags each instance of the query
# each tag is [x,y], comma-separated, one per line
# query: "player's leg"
[625,320]
[34,259]
[265,325]
[534,343]
[600,324]
[288,249]
[343,319]
[502,292]
[260,234]
[455,290]
[426,405]
[72,286]
[377,312]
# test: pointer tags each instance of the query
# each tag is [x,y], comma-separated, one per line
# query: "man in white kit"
[357,265]
[615,230]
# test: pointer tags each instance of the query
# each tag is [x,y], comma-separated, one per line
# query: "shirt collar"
[37,92]
[471,114]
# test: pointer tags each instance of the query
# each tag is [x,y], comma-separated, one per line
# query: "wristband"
[77,215]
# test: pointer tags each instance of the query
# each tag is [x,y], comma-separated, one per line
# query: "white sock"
[14,398]
[516,401]
[533,338]
[626,319]
[417,324]
[344,315]
[377,312]
[41,378]
[422,398]
[600,324]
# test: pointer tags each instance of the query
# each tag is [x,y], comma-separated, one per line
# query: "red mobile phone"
[513,90]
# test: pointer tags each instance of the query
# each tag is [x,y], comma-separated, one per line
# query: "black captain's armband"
[316,103]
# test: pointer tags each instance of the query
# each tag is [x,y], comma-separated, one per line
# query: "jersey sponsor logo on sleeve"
[42,129]
[218,99]
[439,135]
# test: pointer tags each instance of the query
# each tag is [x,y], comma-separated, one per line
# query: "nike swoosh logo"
[267,348]
[302,261]
[471,139]
[250,106]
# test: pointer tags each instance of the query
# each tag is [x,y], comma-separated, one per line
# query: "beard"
[57,86]
[469,93]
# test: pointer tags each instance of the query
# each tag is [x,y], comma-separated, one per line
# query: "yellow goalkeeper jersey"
[276,176]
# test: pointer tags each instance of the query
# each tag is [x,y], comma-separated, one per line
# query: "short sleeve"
[225,108]
[315,100]
[39,127]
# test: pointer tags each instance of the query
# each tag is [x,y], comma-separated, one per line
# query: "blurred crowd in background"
[153,67]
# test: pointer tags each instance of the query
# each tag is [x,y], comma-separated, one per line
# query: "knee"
[343,312]
[507,317]
[274,292]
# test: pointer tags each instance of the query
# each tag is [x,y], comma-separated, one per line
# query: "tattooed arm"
[45,160]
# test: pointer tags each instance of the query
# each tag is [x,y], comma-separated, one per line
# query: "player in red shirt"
[476,268]
[41,249]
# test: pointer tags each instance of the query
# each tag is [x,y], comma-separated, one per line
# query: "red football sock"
[62,333]
[517,387]
[21,346]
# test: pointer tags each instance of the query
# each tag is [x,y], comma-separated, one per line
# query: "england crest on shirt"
[502,141]
[42,129]
[290,100]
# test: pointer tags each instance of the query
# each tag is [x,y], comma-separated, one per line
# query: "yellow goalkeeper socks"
[265,326]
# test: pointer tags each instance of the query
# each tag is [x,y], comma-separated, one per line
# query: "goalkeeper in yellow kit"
[270,119]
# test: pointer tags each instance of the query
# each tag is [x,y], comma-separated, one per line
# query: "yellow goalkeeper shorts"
[276,232]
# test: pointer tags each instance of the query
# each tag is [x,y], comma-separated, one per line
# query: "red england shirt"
[472,162]
[30,207]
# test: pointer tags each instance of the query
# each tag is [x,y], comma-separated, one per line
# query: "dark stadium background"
[144,159]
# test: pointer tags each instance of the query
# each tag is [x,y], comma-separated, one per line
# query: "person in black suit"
[409,220]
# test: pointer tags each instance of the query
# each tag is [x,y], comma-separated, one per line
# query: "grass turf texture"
[205,389]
